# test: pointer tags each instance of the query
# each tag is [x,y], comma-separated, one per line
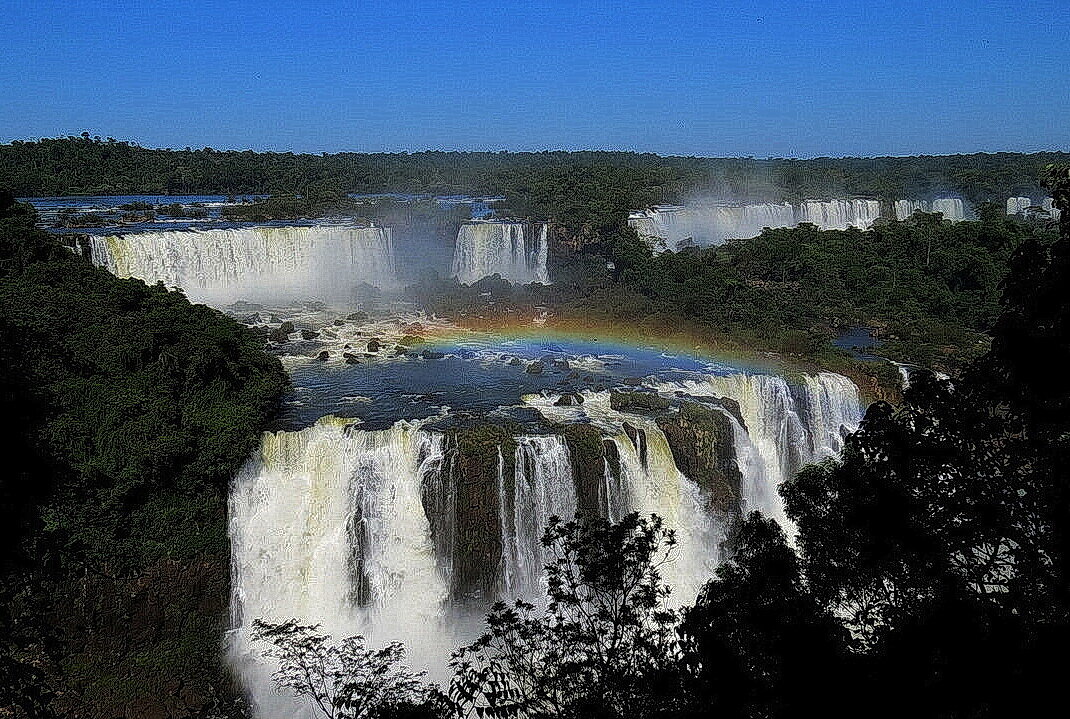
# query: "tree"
[757,642]
[344,680]
[605,645]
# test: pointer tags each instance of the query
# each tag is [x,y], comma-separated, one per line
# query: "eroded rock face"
[587,450]
[462,504]
[703,447]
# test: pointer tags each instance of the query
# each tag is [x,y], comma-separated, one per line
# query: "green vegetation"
[929,288]
[133,409]
[572,185]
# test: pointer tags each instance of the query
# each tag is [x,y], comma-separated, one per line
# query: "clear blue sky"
[755,78]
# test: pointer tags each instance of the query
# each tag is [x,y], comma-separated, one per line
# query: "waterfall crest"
[517,251]
[264,264]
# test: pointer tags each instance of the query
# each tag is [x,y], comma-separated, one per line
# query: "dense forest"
[539,181]
[129,410]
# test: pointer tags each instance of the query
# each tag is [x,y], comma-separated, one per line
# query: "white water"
[951,208]
[261,264]
[839,214]
[1022,205]
[542,488]
[327,526]
[517,251]
[330,524]
[786,427]
[669,227]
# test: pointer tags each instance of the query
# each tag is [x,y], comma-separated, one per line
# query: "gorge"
[407,482]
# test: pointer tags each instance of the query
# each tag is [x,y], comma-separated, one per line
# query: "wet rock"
[432,355]
[569,399]
[702,443]
[535,367]
[374,345]
[410,340]
[645,402]
[357,317]
[323,356]
[287,327]
[632,381]
[350,358]
[277,335]
[561,364]
[309,335]
[637,436]
[515,362]
[339,322]
[275,319]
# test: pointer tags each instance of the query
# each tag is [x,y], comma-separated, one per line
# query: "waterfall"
[951,208]
[659,487]
[1018,205]
[670,227]
[542,487]
[327,525]
[839,214]
[510,249]
[267,264]
[786,427]
[365,531]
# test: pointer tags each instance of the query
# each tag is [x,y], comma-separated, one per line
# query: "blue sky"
[754,78]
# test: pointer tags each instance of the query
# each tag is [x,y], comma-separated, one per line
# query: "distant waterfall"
[1026,206]
[517,251]
[219,266]
[951,208]
[672,227]
[839,214]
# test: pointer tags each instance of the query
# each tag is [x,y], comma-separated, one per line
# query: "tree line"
[77,165]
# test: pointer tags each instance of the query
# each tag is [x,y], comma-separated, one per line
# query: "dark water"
[473,377]
[857,340]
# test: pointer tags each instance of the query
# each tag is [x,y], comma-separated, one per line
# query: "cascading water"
[327,525]
[670,227]
[263,264]
[542,487]
[367,531]
[951,208]
[517,251]
[785,427]
[839,214]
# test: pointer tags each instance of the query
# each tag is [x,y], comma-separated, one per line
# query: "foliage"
[757,643]
[580,187]
[604,645]
[344,680]
[135,408]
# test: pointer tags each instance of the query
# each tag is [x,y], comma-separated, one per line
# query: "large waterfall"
[408,533]
[517,251]
[672,227]
[220,266]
